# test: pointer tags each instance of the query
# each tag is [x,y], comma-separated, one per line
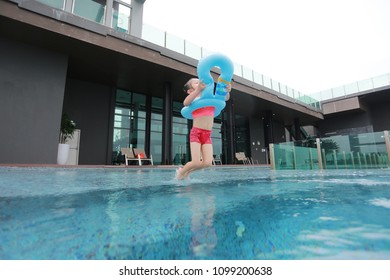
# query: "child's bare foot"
[179,175]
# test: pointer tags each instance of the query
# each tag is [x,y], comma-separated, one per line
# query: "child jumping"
[200,135]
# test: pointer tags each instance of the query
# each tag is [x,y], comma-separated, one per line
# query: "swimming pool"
[220,213]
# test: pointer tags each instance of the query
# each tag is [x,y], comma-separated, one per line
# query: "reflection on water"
[202,208]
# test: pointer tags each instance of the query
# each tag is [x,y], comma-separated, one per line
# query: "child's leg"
[207,155]
[194,164]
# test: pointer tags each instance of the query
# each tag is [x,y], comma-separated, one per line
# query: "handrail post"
[387,140]
[318,142]
[272,156]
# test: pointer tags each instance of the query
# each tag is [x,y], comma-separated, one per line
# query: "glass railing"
[360,151]
[352,88]
[291,155]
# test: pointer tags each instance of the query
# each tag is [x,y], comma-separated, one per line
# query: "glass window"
[141,123]
[59,4]
[139,99]
[90,9]
[121,17]
[121,139]
[156,146]
[180,128]
[156,116]
[180,140]
[138,139]
[177,106]
[129,120]
[121,128]
[123,96]
[180,150]
[122,118]
[141,114]
[156,130]
[156,125]
[216,137]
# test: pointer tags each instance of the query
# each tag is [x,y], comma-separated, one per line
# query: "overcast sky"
[309,45]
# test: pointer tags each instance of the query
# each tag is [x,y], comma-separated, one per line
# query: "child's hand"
[228,87]
[201,86]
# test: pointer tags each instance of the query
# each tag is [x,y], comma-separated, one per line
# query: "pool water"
[220,213]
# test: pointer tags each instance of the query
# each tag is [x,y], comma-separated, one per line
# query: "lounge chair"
[129,155]
[242,157]
[217,159]
[249,160]
[141,156]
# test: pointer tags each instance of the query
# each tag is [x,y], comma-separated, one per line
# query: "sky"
[309,45]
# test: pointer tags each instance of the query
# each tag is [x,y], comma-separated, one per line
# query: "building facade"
[88,59]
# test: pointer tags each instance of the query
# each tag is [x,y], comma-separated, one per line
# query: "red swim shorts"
[202,136]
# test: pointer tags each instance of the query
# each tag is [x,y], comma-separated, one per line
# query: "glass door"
[129,120]
[180,143]
[122,128]
[216,137]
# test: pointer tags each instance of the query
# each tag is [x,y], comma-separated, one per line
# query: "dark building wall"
[256,128]
[279,132]
[89,106]
[346,123]
[32,82]
[381,116]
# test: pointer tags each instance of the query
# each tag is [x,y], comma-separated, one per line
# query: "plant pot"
[63,153]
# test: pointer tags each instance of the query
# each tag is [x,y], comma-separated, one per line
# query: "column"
[167,125]
[229,126]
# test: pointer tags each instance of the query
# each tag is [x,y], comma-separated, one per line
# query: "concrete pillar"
[167,125]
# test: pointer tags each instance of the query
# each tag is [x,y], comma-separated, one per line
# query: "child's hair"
[188,85]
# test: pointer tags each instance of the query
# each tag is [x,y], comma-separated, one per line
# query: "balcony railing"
[360,151]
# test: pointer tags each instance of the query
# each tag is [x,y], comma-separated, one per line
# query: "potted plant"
[67,130]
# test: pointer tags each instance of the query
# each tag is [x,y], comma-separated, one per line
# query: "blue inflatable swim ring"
[208,98]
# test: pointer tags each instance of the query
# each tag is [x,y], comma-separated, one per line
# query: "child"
[200,135]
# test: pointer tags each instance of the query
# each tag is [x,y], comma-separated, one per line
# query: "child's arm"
[188,100]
